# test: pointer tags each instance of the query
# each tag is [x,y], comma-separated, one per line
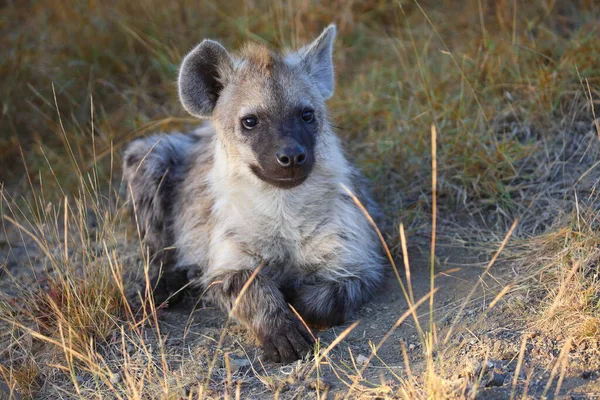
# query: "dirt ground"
[480,356]
[479,339]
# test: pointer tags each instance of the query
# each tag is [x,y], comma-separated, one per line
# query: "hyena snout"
[291,156]
[285,163]
[290,162]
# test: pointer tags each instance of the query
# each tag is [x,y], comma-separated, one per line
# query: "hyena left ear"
[318,61]
[202,76]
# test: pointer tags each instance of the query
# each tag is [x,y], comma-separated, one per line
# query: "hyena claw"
[287,344]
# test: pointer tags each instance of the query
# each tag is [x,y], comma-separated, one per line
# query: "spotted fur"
[204,196]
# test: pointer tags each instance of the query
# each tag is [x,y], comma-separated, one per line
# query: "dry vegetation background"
[512,88]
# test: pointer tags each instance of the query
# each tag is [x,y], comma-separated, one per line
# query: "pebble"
[586,374]
[362,359]
[237,364]
[115,378]
[412,346]
[532,335]
[496,379]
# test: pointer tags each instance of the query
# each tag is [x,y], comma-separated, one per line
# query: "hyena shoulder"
[155,169]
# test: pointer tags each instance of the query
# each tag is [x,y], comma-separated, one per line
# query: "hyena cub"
[263,190]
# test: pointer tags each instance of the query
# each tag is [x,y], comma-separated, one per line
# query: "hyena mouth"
[282,183]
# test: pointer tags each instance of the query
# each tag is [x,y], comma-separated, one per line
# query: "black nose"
[291,156]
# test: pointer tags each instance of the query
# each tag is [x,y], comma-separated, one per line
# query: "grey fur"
[207,197]
[318,61]
[201,77]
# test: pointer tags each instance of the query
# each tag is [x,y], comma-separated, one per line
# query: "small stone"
[115,378]
[560,338]
[496,379]
[284,387]
[532,335]
[586,374]
[374,326]
[412,346]
[490,365]
[236,364]
[362,359]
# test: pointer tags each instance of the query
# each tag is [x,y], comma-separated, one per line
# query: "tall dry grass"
[511,87]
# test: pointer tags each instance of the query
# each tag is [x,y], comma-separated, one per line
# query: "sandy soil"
[482,350]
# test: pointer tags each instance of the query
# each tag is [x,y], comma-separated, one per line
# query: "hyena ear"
[317,58]
[202,76]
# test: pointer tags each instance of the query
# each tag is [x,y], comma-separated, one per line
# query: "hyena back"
[263,189]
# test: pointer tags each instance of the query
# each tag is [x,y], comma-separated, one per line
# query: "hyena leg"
[326,302]
[262,309]
[153,169]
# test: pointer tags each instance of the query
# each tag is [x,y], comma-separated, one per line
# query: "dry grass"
[564,264]
[512,88]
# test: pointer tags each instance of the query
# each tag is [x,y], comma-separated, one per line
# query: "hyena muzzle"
[260,186]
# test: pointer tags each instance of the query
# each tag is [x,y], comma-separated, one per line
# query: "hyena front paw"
[287,342]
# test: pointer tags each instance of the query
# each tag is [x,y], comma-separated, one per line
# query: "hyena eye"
[308,115]
[249,122]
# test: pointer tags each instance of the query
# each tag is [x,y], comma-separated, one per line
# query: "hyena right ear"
[318,60]
[202,76]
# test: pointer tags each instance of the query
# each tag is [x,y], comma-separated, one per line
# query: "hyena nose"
[291,156]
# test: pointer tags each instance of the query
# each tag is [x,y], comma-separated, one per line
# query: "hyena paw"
[286,343]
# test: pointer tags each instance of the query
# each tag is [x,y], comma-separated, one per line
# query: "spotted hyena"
[259,186]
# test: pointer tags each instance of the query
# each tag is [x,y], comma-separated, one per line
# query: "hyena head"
[268,109]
